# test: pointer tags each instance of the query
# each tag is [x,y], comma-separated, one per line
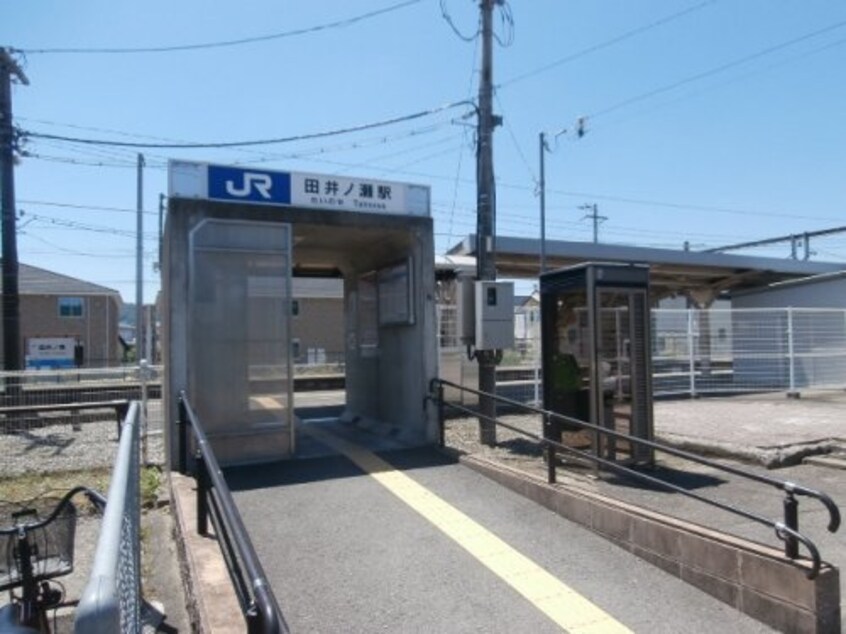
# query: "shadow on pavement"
[686,480]
[301,471]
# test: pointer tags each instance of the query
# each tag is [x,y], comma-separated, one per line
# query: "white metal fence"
[748,350]
[38,434]
[718,351]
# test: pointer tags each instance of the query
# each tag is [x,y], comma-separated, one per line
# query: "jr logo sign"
[232,183]
[261,183]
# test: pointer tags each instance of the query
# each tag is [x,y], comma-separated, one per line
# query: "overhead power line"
[785,238]
[51,203]
[248,143]
[71,224]
[225,43]
[607,43]
[719,69]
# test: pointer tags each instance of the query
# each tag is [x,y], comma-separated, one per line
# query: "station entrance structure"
[233,240]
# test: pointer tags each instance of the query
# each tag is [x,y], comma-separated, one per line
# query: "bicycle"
[34,551]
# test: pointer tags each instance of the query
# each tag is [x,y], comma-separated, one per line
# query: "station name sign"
[295,189]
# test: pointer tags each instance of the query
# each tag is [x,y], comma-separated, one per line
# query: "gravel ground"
[513,448]
[47,448]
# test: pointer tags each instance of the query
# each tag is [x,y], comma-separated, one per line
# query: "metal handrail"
[214,500]
[787,531]
[111,601]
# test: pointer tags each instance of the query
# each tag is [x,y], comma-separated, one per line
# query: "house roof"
[35,281]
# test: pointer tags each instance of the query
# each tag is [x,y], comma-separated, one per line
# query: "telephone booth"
[595,329]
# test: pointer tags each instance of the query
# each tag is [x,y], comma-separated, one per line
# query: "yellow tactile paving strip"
[567,608]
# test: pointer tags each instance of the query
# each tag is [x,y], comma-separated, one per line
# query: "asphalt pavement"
[345,554]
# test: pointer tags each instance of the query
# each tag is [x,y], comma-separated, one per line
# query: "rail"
[787,530]
[111,601]
[214,501]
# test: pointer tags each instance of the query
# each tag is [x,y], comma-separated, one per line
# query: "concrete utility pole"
[139,265]
[486,216]
[594,215]
[544,147]
[542,193]
[11,302]
[162,199]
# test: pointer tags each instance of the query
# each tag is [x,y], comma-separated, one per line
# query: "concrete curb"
[755,579]
[210,596]
[768,457]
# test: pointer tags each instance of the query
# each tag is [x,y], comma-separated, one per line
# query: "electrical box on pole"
[486,314]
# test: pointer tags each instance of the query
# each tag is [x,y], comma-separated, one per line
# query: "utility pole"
[162,199]
[11,301]
[542,186]
[486,217]
[544,147]
[594,215]
[139,264]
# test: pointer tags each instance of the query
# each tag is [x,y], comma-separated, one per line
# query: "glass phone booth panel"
[239,362]
[595,327]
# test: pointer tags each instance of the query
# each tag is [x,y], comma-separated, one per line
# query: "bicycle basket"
[51,546]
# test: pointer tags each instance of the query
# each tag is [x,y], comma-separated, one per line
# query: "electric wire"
[515,142]
[606,43]
[81,162]
[734,80]
[260,157]
[465,133]
[507,24]
[126,254]
[249,143]
[719,69]
[51,203]
[221,44]
[448,19]
[73,224]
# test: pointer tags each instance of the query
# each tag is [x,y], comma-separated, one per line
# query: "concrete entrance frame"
[385,255]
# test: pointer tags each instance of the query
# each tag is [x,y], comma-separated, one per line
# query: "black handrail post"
[786,531]
[182,422]
[791,520]
[551,453]
[202,495]
[441,416]
[254,624]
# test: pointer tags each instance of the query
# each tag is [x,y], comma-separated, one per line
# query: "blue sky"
[711,122]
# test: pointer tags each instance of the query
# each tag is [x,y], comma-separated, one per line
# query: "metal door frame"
[637,368]
[287,306]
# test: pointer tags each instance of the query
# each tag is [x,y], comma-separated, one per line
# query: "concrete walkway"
[343,555]
[770,429]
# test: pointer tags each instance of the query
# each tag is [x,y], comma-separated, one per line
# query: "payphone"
[596,345]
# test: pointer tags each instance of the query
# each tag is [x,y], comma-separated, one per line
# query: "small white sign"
[50,352]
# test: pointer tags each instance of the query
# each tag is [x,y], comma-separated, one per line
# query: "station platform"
[368,537]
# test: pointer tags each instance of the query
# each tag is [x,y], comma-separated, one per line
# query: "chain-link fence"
[67,420]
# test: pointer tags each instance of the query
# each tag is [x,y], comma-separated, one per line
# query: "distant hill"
[127,314]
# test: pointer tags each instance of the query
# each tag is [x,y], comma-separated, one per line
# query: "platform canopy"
[701,276]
